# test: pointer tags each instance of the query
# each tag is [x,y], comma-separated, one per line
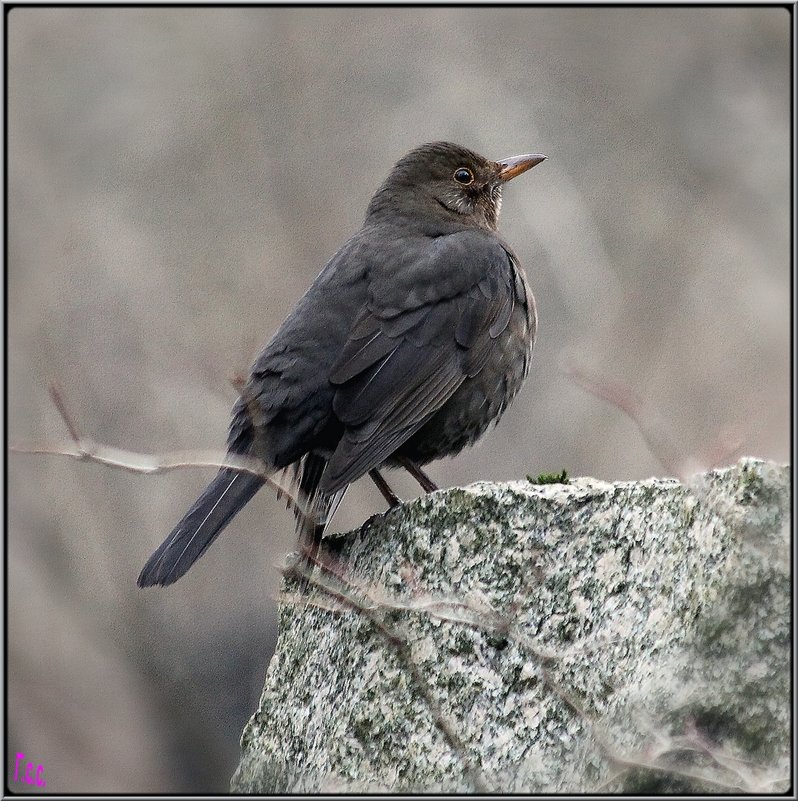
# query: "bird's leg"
[308,544]
[427,484]
[391,498]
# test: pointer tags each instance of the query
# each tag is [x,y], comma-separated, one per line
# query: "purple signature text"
[29,772]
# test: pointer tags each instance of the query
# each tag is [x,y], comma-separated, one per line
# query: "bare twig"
[84,449]
[654,428]
[238,381]
[57,394]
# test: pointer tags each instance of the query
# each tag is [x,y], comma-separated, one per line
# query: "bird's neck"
[419,212]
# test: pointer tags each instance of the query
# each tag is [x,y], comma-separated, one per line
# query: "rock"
[569,638]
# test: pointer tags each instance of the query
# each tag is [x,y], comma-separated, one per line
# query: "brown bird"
[409,344]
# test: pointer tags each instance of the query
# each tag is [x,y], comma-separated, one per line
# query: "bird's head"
[446,183]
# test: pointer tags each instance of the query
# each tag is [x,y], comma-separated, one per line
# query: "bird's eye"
[464,176]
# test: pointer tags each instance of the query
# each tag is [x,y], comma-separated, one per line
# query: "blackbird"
[409,344]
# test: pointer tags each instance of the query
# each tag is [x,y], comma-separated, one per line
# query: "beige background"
[178,177]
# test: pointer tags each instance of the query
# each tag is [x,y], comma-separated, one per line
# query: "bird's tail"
[222,499]
[305,476]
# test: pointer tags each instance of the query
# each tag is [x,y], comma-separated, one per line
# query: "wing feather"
[403,360]
[355,454]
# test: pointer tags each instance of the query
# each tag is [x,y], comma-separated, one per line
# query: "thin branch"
[84,449]
[654,428]
[57,394]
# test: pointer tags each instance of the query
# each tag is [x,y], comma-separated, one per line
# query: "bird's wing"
[406,356]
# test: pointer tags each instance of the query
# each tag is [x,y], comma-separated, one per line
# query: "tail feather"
[222,499]
[305,476]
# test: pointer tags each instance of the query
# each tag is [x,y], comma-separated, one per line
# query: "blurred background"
[178,177]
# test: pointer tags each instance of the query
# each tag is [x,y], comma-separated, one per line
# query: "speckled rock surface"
[585,636]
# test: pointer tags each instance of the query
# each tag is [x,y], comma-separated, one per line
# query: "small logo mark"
[29,772]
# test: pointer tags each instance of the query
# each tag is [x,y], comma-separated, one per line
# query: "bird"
[406,348]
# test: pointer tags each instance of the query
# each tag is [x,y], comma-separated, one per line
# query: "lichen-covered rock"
[629,637]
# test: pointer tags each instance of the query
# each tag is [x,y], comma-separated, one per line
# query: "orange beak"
[515,165]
